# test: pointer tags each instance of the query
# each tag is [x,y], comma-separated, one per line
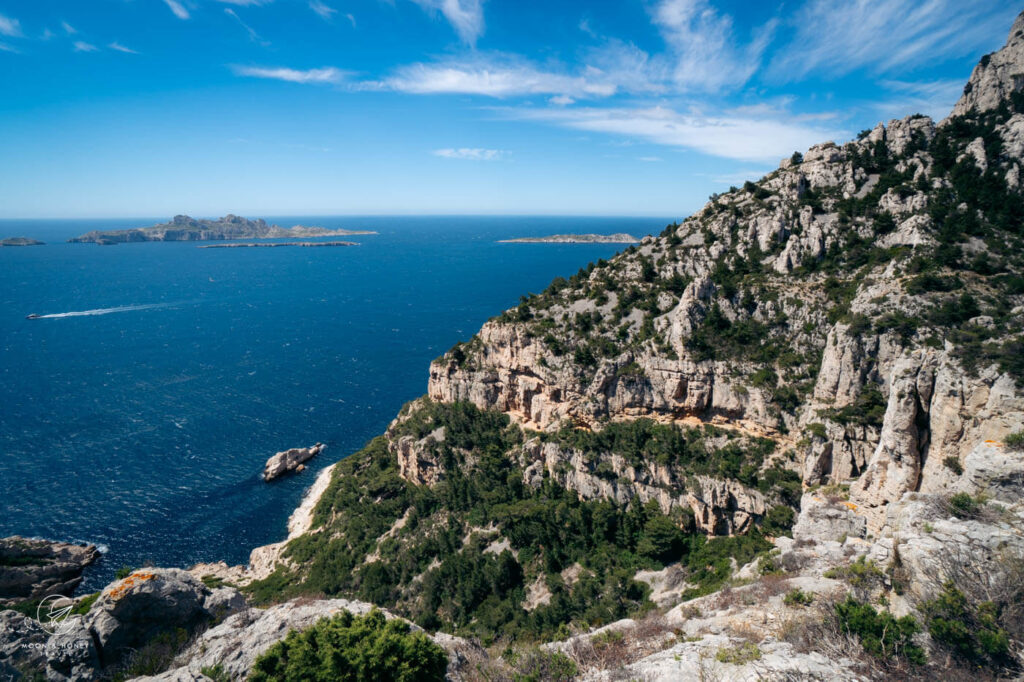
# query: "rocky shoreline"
[31,569]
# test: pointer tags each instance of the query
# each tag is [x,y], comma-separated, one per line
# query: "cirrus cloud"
[327,74]
[471,154]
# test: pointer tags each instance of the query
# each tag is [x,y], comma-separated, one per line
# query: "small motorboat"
[33,316]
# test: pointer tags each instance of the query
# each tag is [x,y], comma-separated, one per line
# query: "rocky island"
[20,241]
[782,440]
[618,238]
[186,228]
[290,460]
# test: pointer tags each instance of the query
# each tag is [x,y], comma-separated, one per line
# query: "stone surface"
[289,460]
[130,612]
[32,568]
[996,76]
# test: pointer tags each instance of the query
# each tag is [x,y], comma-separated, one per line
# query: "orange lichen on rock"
[126,585]
[851,505]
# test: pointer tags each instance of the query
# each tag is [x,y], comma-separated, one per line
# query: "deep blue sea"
[144,428]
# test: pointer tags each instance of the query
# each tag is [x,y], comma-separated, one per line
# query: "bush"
[963,506]
[798,597]
[1015,441]
[748,652]
[881,635]
[355,648]
[970,631]
[537,665]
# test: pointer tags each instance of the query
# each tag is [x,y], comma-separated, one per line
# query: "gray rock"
[996,76]
[32,569]
[71,654]
[132,611]
[290,460]
[821,520]
[22,642]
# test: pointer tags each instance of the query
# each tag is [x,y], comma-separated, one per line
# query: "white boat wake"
[103,311]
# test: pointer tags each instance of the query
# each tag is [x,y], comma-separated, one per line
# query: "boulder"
[130,612]
[289,460]
[33,569]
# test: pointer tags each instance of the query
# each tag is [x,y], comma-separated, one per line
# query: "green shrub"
[748,652]
[963,506]
[881,635]
[953,464]
[353,648]
[216,673]
[971,631]
[124,572]
[84,605]
[538,665]
[1015,441]
[798,597]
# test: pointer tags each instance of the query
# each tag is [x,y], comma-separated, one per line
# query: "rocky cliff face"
[861,305]
[33,569]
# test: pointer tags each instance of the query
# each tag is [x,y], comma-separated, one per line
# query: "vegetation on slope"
[464,554]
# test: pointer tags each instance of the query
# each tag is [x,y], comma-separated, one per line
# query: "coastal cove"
[145,406]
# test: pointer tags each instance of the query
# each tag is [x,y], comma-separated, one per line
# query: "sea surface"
[138,412]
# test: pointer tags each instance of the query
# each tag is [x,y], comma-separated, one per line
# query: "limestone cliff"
[863,304]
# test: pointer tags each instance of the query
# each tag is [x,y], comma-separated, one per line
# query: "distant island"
[20,241]
[620,238]
[247,245]
[184,228]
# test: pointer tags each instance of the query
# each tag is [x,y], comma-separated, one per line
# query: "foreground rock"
[33,569]
[290,460]
[112,634]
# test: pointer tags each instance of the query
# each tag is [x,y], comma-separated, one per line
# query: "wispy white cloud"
[327,74]
[178,9]
[325,12]
[121,48]
[498,78]
[726,135]
[471,154]
[246,3]
[68,28]
[650,159]
[465,16]
[932,98]
[351,19]
[82,46]
[4,47]
[253,35]
[10,27]
[836,37]
[702,43]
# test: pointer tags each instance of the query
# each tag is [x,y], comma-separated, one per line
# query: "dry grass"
[614,649]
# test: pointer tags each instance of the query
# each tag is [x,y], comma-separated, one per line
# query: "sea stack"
[290,460]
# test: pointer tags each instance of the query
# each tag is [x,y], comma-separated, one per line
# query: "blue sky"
[312,107]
